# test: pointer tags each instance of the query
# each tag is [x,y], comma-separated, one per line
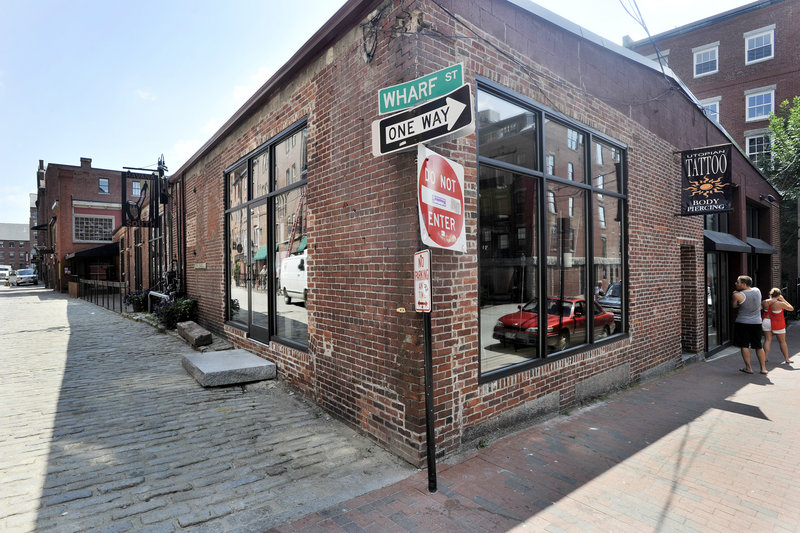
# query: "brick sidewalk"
[706,448]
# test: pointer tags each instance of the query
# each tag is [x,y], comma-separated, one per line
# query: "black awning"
[40,226]
[106,250]
[761,247]
[716,241]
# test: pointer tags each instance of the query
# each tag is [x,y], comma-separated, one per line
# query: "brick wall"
[365,357]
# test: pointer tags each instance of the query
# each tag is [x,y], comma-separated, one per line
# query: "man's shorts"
[747,335]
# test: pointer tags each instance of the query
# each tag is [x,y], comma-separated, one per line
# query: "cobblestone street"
[102,429]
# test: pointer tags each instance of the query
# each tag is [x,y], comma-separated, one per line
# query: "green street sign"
[411,93]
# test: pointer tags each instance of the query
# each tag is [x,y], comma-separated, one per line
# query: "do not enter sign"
[440,196]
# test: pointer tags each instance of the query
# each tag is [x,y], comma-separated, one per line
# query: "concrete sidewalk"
[706,448]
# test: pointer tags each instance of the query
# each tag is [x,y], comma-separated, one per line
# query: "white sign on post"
[422,281]
[440,198]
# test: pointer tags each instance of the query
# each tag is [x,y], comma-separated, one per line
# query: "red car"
[566,324]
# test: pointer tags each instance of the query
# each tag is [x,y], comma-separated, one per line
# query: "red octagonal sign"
[440,194]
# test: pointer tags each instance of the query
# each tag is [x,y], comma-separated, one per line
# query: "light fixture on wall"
[767,197]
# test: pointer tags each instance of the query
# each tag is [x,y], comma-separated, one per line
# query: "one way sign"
[448,116]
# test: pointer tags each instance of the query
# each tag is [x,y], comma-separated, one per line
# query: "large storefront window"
[551,235]
[266,242]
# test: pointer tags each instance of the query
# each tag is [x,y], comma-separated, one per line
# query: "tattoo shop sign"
[706,181]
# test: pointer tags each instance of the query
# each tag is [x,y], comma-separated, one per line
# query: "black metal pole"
[429,413]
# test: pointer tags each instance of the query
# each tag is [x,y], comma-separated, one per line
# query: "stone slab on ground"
[194,333]
[228,367]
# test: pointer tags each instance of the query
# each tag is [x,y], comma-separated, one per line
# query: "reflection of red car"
[566,323]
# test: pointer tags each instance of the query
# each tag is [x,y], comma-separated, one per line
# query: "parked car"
[294,278]
[612,302]
[566,323]
[5,270]
[23,276]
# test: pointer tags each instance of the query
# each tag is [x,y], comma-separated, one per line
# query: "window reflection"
[290,160]
[259,255]
[261,175]
[237,186]
[565,147]
[606,167]
[566,269]
[607,222]
[506,132]
[292,265]
[509,266]
[237,268]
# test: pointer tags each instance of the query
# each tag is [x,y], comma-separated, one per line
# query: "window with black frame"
[551,234]
[266,248]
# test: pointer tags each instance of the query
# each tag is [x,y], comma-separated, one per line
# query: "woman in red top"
[775,306]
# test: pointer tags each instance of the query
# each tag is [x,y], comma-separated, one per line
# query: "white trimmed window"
[760,103]
[711,107]
[705,59]
[92,228]
[759,45]
[136,188]
[759,148]
[102,185]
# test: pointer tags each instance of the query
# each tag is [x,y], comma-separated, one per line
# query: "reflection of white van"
[294,277]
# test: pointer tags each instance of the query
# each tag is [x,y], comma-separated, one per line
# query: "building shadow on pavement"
[111,434]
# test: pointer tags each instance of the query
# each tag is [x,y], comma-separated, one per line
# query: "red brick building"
[741,64]
[571,178]
[78,210]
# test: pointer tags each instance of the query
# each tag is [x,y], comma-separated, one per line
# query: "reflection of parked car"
[23,276]
[566,323]
[294,278]
[612,302]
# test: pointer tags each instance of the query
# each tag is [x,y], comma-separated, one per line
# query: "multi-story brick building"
[78,210]
[570,179]
[15,245]
[741,64]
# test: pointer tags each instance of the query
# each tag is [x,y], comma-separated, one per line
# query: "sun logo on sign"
[707,186]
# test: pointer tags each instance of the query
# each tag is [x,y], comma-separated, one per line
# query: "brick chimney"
[86,162]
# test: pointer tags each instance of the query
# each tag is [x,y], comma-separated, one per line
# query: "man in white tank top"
[747,329]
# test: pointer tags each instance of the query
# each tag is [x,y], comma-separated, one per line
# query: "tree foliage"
[783,168]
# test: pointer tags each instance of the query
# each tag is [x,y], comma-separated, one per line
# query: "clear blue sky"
[123,82]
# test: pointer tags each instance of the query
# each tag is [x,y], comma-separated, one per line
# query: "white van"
[294,278]
[5,271]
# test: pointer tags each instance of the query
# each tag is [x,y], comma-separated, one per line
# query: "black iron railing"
[108,294]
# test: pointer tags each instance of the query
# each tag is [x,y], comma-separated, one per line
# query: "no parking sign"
[440,198]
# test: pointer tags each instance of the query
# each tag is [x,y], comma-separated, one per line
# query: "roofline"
[348,15]
[354,10]
[708,21]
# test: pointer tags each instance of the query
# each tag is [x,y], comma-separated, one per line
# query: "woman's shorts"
[779,331]
[766,324]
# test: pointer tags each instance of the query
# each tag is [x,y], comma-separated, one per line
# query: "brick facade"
[735,77]
[67,193]
[364,361]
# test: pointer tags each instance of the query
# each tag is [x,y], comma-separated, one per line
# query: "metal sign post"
[423,302]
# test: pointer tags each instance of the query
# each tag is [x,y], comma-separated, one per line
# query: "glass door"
[717,300]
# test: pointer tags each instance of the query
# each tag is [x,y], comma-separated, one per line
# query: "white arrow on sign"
[447,114]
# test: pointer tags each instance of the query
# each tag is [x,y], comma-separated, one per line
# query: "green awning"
[261,254]
[303,244]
